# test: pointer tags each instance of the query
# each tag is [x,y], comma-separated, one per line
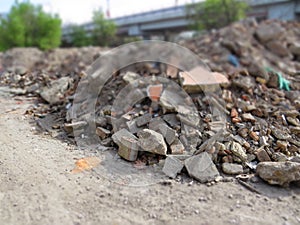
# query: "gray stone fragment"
[102,132]
[168,133]
[279,134]
[262,155]
[247,117]
[238,151]
[232,168]
[132,127]
[171,119]
[295,48]
[281,173]
[69,127]
[201,167]
[143,120]
[155,123]
[268,32]
[128,144]
[244,82]
[172,166]
[131,77]
[55,93]
[177,147]
[151,141]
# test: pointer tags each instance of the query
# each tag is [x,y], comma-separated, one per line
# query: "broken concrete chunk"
[172,166]
[151,141]
[170,100]
[244,82]
[281,135]
[171,119]
[199,79]
[128,144]
[232,168]
[191,119]
[278,48]
[168,133]
[177,147]
[131,77]
[295,48]
[132,127]
[55,93]
[281,173]
[247,117]
[102,132]
[238,151]
[143,120]
[69,127]
[268,32]
[201,167]
[155,123]
[262,155]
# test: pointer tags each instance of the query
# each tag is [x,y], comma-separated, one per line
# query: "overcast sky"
[79,11]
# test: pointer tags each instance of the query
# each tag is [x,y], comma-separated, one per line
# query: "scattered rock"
[102,132]
[268,32]
[232,168]
[177,147]
[151,141]
[55,93]
[172,166]
[262,155]
[238,151]
[201,167]
[280,173]
[199,79]
[128,144]
[131,77]
[143,120]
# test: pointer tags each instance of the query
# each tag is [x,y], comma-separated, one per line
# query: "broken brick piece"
[154,92]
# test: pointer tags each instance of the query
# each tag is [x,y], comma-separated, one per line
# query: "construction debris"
[176,117]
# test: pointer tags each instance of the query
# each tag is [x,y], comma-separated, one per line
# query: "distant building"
[275,9]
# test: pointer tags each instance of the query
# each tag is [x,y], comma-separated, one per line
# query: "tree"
[215,13]
[104,30]
[27,25]
[79,36]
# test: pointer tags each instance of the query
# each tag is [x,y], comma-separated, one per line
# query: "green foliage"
[104,30]
[215,13]
[28,25]
[80,37]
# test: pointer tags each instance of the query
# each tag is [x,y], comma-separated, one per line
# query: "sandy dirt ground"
[37,187]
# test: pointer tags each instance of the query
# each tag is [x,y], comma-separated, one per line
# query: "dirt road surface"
[37,187]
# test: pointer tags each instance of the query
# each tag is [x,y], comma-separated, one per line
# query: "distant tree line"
[27,25]
[103,34]
[214,14]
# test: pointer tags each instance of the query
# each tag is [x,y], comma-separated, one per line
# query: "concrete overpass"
[174,19]
[160,21]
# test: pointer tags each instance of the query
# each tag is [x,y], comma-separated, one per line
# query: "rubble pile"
[247,44]
[251,126]
[30,71]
